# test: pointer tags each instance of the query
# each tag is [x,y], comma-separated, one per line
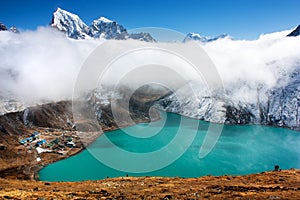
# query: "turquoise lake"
[239,150]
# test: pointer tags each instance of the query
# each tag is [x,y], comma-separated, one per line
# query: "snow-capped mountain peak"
[104,19]
[102,28]
[62,12]
[197,37]
[108,29]
[69,23]
[14,29]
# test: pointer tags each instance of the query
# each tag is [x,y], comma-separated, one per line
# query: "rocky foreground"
[266,185]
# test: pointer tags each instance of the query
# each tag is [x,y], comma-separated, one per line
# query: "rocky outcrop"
[2,27]
[295,32]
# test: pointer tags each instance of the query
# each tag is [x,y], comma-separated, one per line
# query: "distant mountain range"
[197,37]
[103,28]
[12,29]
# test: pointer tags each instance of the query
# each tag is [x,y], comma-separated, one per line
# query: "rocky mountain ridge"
[11,29]
[101,28]
[197,37]
[204,39]
[295,32]
[279,106]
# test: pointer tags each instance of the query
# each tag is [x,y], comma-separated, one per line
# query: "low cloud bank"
[40,65]
[246,66]
[43,64]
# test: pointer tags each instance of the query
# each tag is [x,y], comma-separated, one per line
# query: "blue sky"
[242,19]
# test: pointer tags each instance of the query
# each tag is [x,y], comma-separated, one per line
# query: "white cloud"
[44,64]
[244,65]
[40,64]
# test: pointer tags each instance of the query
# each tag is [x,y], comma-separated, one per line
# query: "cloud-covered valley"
[43,64]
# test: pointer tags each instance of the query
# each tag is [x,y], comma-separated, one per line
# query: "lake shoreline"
[234,152]
[51,120]
[17,170]
[87,142]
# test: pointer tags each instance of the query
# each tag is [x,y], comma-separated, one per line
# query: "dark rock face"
[3,130]
[2,27]
[238,115]
[51,115]
[295,32]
